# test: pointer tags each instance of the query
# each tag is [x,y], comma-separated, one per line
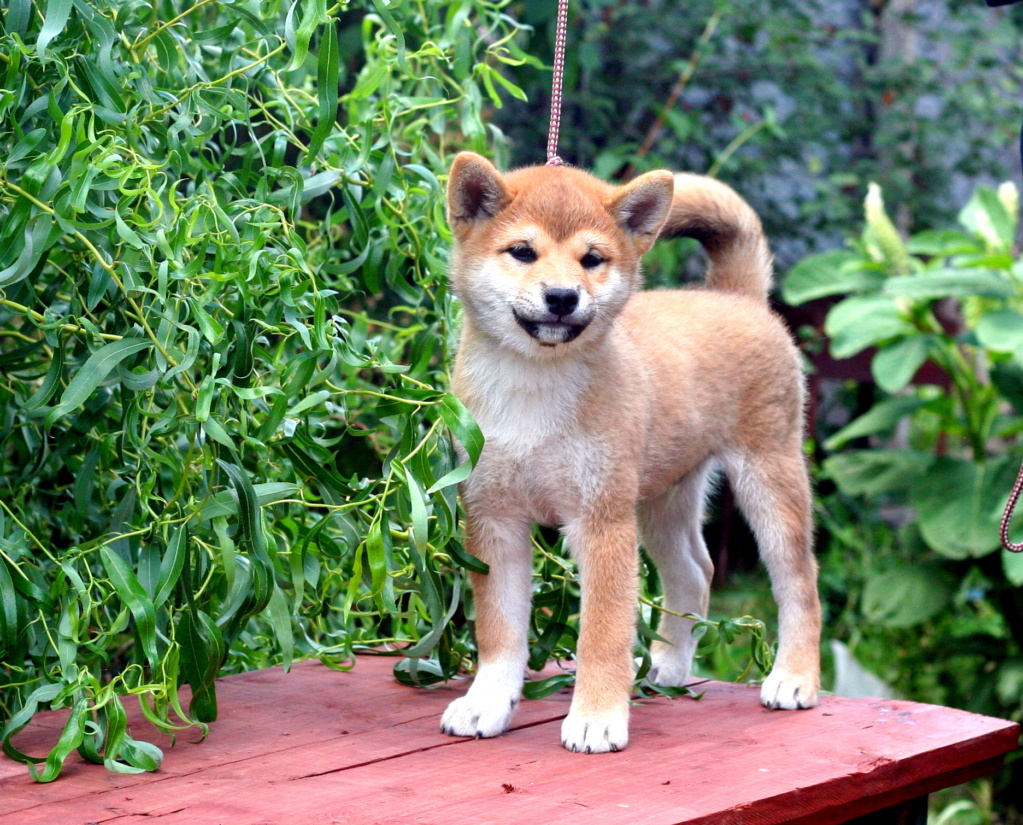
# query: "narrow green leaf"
[70,738]
[93,373]
[420,528]
[251,529]
[280,619]
[515,91]
[24,714]
[466,560]
[215,431]
[54,19]
[49,386]
[202,653]
[539,688]
[298,39]
[395,29]
[419,672]
[463,425]
[171,564]
[33,248]
[141,756]
[116,730]
[134,596]
[248,509]
[430,640]
[126,233]
[377,553]
[19,13]
[308,467]
[327,89]
[9,624]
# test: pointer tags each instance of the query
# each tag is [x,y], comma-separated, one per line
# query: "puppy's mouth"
[551,333]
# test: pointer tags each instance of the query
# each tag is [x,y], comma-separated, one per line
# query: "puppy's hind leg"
[773,491]
[670,528]
[502,601]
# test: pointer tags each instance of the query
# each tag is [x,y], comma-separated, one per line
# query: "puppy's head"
[548,255]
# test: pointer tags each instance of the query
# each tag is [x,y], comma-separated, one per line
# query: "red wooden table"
[317,746]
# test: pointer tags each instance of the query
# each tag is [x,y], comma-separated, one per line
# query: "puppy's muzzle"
[560,324]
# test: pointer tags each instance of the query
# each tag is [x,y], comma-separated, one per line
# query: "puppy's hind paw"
[479,720]
[669,668]
[789,691]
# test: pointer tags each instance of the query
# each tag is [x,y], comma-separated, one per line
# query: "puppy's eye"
[523,253]
[591,260]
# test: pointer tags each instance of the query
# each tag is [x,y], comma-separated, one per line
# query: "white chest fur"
[538,459]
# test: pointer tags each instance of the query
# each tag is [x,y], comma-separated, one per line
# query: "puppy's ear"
[476,191]
[641,207]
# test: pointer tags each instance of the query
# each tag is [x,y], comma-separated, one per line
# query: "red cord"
[1017,488]
[560,36]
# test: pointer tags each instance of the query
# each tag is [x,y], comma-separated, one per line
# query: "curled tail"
[727,228]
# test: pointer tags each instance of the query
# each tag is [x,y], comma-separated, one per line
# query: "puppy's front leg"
[605,549]
[502,623]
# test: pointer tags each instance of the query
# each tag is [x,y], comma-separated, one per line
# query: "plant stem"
[141,44]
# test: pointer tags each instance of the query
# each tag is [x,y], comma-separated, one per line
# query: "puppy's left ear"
[641,207]
[476,191]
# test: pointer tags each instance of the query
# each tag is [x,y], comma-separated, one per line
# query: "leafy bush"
[223,319]
[224,324]
[913,573]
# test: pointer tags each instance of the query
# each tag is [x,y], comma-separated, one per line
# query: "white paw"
[669,666]
[789,691]
[470,716]
[595,734]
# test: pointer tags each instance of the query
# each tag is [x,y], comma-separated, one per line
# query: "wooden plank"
[266,716]
[280,754]
[728,767]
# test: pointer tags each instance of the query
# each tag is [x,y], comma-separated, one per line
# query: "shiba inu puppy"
[606,411]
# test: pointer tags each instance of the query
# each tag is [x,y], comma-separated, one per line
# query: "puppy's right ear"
[476,191]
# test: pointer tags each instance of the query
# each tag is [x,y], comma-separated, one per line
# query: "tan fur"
[609,418]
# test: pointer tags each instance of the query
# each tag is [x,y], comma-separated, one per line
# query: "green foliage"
[912,573]
[224,324]
[954,301]
[795,102]
[223,320]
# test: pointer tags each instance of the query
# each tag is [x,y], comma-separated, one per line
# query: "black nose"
[561,301]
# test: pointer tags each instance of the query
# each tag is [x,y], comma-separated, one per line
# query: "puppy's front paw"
[789,691]
[588,733]
[470,716]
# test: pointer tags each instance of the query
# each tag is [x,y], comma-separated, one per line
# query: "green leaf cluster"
[939,315]
[223,323]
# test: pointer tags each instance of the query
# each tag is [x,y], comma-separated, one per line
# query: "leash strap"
[560,36]
[1003,532]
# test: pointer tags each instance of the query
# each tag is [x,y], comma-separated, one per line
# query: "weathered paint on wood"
[317,746]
